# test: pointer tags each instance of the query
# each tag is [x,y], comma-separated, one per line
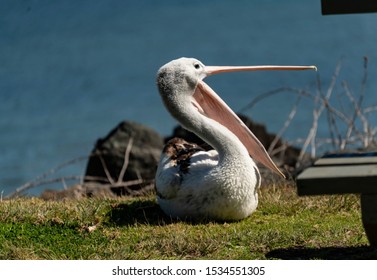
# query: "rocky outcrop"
[126,159]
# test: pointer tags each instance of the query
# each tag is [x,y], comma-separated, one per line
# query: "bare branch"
[34,184]
[126,160]
[265,95]
[285,126]
[106,170]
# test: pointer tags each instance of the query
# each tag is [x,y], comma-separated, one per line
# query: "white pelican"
[219,184]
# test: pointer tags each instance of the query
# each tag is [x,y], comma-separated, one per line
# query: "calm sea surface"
[72,70]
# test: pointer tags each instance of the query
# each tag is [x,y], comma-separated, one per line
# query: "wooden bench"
[342,174]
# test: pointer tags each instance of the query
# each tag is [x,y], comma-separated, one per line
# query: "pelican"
[219,184]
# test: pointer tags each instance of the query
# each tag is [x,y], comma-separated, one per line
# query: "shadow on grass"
[137,212]
[147,213]
[327,253]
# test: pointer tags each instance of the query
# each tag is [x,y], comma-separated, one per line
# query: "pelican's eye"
[197,66]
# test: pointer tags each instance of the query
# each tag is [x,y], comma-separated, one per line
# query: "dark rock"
[108,159]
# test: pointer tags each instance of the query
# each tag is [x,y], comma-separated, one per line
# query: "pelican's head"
[180,76]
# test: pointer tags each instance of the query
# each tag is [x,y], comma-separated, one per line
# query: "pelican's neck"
[219,137]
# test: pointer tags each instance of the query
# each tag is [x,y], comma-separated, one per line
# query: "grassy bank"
[283,227]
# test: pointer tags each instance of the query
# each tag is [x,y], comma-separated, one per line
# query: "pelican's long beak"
[210,70]
[211,105]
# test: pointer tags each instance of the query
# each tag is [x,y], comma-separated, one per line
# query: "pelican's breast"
[190,183]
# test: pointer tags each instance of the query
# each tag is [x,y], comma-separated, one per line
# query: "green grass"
[283,227]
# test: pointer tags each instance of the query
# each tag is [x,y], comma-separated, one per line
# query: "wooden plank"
[346,160]
[340,174]
[345,171]
[330,7]
[335,186]
[338,180]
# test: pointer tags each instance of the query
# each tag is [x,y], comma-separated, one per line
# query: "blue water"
[72,70]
